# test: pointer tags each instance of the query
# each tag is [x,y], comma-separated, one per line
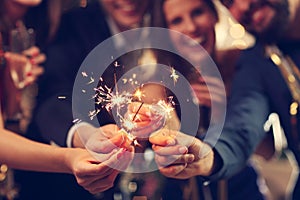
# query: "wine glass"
[21,39]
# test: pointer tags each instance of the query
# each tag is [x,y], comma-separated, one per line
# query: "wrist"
[207,160]
[68,154]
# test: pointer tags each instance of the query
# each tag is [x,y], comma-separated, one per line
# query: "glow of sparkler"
[174,75]
[106,98]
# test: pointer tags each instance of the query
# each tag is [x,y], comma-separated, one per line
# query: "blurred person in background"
[197,19]
[266,80]
[21,153]
[274,25]
[81,30]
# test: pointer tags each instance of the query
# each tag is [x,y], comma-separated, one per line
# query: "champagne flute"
[21,39]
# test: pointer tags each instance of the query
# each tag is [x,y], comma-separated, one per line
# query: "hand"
[146,118]
[26,64]
[181,156]
[36,58]
[93,175]
[205,96]
[106,141]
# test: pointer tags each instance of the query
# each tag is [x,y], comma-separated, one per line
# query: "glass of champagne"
[21,39]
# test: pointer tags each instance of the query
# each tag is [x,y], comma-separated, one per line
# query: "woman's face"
[126,13]
[194,19]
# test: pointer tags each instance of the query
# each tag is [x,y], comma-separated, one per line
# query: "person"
[185,17]
[257,91]
[20,153]
[20,53]
[80,31]
[113,18]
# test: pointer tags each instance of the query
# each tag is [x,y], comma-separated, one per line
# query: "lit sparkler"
[107,98]
[174,75]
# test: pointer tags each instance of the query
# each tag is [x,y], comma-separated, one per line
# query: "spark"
[108,98]
[92,80]
[61,97]
[93,113]
[174,75]
[84,74]
[76,120]
[116,64]
[165,108]
[138,94]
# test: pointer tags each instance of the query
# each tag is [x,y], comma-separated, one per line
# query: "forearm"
[21,153]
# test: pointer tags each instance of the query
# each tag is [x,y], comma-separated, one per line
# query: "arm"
[247,111]
[181,156]
[243,130]
[21,153]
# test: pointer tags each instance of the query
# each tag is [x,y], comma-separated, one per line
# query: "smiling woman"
[196,19]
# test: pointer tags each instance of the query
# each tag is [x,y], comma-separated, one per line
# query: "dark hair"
[166,57]
[159,16]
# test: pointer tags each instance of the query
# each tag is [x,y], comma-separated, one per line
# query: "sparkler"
[107,98]
[174,75]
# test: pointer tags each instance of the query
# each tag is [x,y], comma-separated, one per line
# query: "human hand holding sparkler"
[106,143]
[181,156]
[145,119]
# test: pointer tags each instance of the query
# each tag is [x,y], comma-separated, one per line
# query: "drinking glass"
[21,39]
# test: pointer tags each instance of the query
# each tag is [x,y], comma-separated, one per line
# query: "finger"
[98,145]
[102,184]
[120,159]
[124,160]
[185,158]
[38,59]
[172,171]
[170,150]
[163,137]
[93,169]
[32,51]
[37,70]
[15,58]
[113,160]
[33,74]
[164,161]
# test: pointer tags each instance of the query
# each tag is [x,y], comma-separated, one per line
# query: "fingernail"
[171,142]
[120,155]
[36,53]
[190,158]
[123,150]
[183,150]
[29,74]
